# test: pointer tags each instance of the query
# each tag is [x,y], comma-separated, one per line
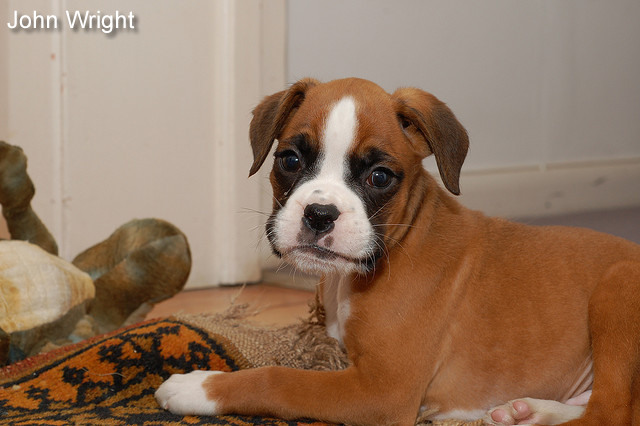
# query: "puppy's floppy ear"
[433,128]
[270,118]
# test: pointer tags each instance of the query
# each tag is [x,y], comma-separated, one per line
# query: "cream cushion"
[36,287]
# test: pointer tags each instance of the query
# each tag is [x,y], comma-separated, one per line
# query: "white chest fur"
[336,304]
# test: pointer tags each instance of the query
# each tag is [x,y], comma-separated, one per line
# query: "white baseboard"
[553,189]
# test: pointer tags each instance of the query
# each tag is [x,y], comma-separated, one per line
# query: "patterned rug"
[111,379]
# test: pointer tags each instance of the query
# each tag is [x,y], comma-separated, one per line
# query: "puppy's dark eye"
[379,178]
[290,162]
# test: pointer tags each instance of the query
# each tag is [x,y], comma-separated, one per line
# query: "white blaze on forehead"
[352,237]
[338,136]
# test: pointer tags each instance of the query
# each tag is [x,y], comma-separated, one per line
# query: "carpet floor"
[111,379]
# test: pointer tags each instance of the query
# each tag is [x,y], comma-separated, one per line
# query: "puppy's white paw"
[527,411]
[185,394]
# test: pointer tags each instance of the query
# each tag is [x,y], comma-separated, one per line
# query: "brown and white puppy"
[442,310]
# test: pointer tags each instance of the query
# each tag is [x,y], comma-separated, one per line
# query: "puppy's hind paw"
[185,394]
[515,412]
[528,411]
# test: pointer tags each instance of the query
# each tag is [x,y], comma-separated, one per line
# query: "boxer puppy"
[444,312]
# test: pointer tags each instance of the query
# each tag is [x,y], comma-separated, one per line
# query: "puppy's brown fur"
[464,311]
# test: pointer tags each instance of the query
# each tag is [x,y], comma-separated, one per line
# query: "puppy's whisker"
[385,252]
[276,200]
[261,240]
[250,210]
[253,228]
[380,225]
[378,211]
[256,227]
[282,265]
[403,250]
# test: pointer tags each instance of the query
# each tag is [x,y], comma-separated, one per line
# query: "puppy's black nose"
[320,217]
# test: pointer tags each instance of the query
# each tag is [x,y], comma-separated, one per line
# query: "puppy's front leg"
[337,396]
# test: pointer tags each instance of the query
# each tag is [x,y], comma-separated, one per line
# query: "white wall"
[540,85]
[151,122]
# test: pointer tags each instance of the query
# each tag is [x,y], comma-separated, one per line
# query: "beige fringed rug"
[110,379]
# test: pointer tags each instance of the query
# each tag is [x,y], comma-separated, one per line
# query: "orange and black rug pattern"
[111,379]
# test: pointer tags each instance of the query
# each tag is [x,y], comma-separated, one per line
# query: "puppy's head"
[348,158]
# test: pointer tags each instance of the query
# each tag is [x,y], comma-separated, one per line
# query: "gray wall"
[535,82]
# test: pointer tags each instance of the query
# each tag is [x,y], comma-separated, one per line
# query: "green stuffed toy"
[46,301]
